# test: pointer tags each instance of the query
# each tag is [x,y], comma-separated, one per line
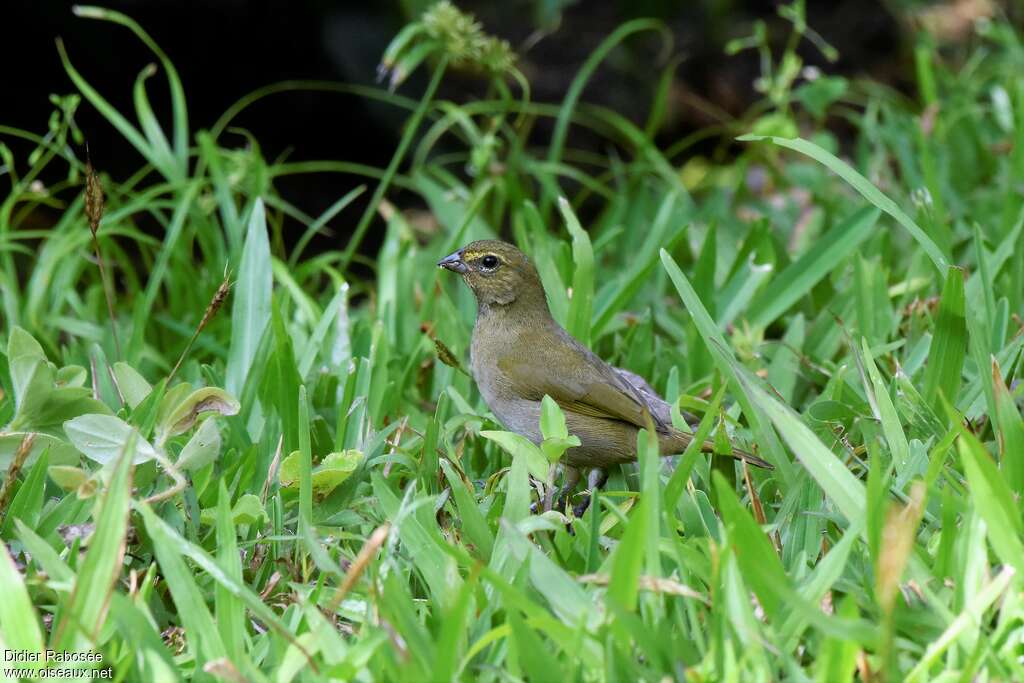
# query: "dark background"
[224,49]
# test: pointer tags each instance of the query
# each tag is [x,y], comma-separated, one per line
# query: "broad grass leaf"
[949,343]
[422,540]
[569,602]
[97,576]
[250,310]
[474,525]
[627,560]
[102,438]
[183,416]
[1010,432]
[581,304]
[535,658]
[994,500]
[19,623]
[202,449]
[332,471]
[845,490]
[758,560]
[201,633]
[132,384]
[517,445]
[885,411]
[797,279]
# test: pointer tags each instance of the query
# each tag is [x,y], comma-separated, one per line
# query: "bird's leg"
[571,478]
[596,478]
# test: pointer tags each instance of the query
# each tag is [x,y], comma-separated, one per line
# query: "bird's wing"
[578,381]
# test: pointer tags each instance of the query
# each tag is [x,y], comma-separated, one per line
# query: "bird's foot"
[557,500]
[596,478]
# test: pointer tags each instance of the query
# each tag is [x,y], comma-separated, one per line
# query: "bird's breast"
[491,342]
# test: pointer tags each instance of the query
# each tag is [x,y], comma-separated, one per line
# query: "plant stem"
[411,126]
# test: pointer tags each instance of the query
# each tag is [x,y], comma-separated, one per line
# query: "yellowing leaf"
[327,476]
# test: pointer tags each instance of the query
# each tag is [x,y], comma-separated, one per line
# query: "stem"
[108,294]
[549,494]
[411,127]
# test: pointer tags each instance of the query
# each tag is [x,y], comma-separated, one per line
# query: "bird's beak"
[453,262]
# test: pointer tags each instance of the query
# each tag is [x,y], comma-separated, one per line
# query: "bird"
[519,353]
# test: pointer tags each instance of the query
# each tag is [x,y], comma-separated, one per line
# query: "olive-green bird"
[519,353]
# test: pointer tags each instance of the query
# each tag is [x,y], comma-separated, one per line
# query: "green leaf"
[99,572]
[835,480]
[628,559]
[60,452]
[762,570]
[474,526]
[66,477]
[885,411]
[556,435]
[184,416]
[535,657]
[423,542]
[19,623]
[1010,431]
[133,385]
[23,353]
[949,344]
[202,449]
[582,302]
[103,437]
[327,476]
[247,510]
[40,404]
[517,445]
[818,95]
[964,621]
[250,310]
[993,499]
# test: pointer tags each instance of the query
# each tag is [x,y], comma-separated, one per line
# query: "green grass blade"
[845,490]
[98,575]
[582,302]
[863,186]
[813,265]
[19,623]
[993,500]
[250,310]
[717,345]
[1010,428]
[949,343]
[178,108]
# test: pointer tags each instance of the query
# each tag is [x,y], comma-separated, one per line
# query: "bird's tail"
[677,441]
[740,454]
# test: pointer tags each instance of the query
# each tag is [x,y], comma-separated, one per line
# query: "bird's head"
[498,273]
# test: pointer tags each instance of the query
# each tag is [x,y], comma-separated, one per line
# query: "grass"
[317,492]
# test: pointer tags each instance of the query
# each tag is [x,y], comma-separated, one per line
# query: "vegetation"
[260,469]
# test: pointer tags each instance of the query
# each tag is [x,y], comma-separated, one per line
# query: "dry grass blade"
[366,553]
[898,537]
[654,584]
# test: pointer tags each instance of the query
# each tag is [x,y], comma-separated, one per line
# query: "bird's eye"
[490,262]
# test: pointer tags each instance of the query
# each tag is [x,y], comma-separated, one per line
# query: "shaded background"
[224,49]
